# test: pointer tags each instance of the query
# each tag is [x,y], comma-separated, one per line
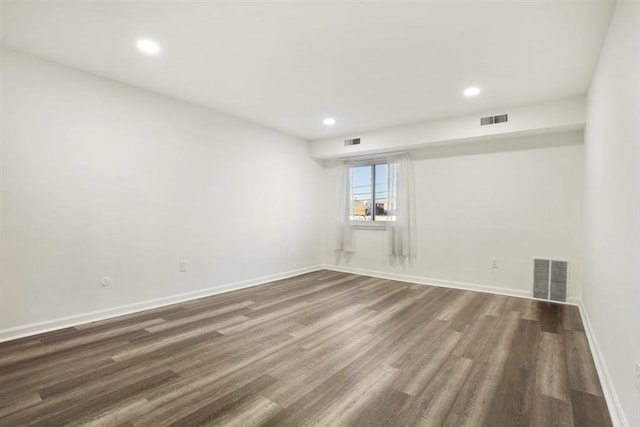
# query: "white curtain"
[344,233]
[402,231]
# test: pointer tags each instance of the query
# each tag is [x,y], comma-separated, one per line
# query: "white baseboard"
[445,283]
[427,281]
[613,402]
[78,319]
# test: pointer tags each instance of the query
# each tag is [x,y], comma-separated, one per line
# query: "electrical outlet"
[183,265]
[494,263]
[638,375]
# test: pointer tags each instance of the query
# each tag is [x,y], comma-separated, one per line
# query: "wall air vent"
[490,120]
[502,118]
[354,141]
[486,121]
[550,279]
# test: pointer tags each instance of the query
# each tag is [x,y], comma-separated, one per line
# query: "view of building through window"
[370,193]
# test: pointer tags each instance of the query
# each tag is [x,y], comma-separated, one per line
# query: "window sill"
[368,225]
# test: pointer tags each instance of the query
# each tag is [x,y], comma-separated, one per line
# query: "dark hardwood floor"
[324,348]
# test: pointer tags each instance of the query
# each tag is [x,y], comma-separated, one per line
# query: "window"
[371,198]
[379,192]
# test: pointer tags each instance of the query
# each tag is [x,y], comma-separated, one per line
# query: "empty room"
[320,213]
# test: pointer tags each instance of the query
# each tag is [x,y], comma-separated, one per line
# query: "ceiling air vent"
[354,141]
[490,120]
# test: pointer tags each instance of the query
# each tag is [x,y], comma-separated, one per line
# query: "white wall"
[103,179]
[476,203]
[612,205]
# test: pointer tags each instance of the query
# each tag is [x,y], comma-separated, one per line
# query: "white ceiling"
[288,65]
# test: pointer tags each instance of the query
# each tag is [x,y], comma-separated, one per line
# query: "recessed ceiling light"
[329,121]
[471,91]
[148,46]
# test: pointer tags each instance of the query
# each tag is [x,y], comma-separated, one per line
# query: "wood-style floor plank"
[320,349]
[550,412]
[433,404]
[551,372]
[513,401]
[580,367]
[589,410]
[476,396]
